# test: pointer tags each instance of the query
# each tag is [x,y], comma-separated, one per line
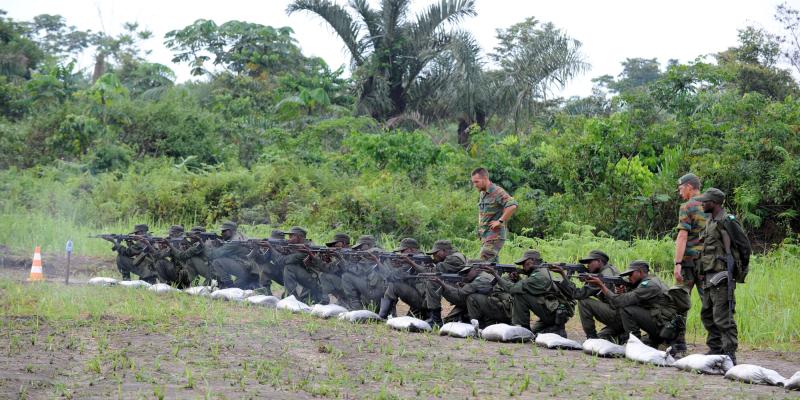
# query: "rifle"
[449,278]
[608,280]
[116,237]
[729,266]
[500,268]
[570,268]
[203,236]
[423,259]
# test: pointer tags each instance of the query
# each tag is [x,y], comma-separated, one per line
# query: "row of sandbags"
[634,349]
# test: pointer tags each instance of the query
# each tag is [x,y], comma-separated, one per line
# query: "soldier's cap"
[365,240]
[441,245]
[141,228]
[637,265]
[198,228]
[689,178]
[277,234]
[594,255]
[407,243]
[228,226]
[339,238]
[296,230]
[712,194]
[488,253]
[176,229]
[528,255]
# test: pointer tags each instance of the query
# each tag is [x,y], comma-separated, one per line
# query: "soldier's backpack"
[740,245]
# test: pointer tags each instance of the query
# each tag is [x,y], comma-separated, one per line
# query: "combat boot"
[732,355]
[435,319]
[386,307]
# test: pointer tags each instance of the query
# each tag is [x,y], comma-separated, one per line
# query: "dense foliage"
[271,136]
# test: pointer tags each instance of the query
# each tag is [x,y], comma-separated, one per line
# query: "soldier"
[539,293]
[449,261]
[231,259]
[330,276]
[193,257]
[300,278]
[402,285]
[719,238]
[167,263]
[133,258]
[495,208]
[593,305]
[646,307]
[473,294]
[269,267]
[688,246]
[364,282]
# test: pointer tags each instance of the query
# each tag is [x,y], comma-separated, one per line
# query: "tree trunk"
[99,66]
[463,135]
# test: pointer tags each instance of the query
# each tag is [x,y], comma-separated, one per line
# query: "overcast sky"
[610,30]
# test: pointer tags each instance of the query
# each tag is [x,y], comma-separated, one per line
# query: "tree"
[535,59]
[57,39]
[790,19]
[636,73]
[389,49]
[18,54]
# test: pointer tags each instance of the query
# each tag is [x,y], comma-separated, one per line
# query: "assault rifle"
[449,278]
[117,237]
[500,268]
[423,259]
[570,268]
[608,280]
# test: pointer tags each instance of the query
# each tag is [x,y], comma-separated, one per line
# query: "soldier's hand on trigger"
[557,269]
[437,281]
[513,276]
[489,270]
[594,281]
[619,289]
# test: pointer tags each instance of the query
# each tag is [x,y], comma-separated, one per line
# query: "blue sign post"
[69,254]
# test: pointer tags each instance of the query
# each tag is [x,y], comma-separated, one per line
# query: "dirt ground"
[260,353]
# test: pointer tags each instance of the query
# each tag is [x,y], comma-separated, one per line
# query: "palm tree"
[388,48]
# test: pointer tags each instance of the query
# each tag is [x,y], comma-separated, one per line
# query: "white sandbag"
[750,373]
[638,351]
[292,304]
[458,329]
[162,288]
[793,383]
[199,291]
[101,281]
[134,284]
[506,333]
[410,324]
[603,348]
[360,316]
[263,300]
[327,310]
[232,294]
[707,364]
[555,341]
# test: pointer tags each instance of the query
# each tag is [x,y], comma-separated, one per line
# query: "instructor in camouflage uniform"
[495,208]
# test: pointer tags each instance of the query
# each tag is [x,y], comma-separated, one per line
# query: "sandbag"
[360,316]
[555,341]
[506,333]
[134,284]
[750,373]
[410,324]
[263,300]
[162,288]
[793,383]
[292,304]
[706,364]
[638,351]
[232,294]
[101,281]
[327,310]
[458,330]
[199,291]
[603,348]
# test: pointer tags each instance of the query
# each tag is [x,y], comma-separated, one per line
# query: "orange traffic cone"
[36,267]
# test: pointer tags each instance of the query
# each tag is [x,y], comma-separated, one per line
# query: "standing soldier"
[495,208]
[726,252]
[691,222]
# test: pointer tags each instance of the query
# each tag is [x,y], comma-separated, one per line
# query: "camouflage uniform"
[488,303]
[538,293]
[193,258]
[453,263]
[169,267]
[231,259]
[300,273]
[330,276]
[593,305]
[401,284]
[491,204]
[716,315]
[269,267]
[647,307]
[133,258]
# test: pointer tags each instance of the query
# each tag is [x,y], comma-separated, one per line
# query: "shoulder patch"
[731,217]
[644,283]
